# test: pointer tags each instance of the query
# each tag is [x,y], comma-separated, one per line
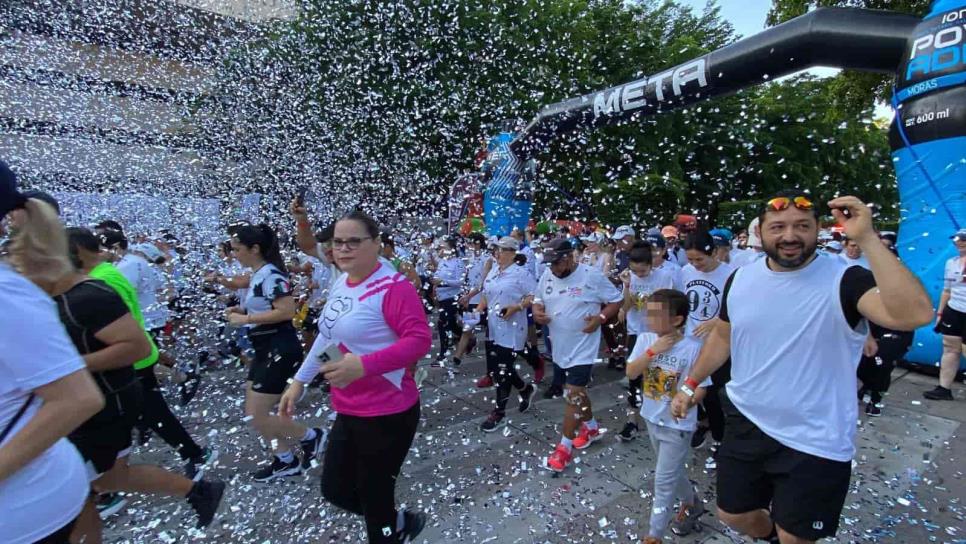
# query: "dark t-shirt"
[855,282]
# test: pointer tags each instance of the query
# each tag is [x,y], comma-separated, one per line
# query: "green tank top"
[110,275]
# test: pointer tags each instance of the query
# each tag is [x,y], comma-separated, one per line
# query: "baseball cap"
[669,231]
[508,242]
[556,250]
[10,198]
[656,240]
[110,238]
[594,237]
[834,245]
[44,196]
[148,250]
[622,232]
[721,237]
[960,235]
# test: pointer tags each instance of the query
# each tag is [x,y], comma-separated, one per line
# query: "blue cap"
[656,240]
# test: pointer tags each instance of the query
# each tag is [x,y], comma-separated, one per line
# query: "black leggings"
[447,324]
[504,374]
[156,414]
[361,465]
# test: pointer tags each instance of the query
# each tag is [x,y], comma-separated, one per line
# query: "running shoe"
[195,467]
[526,396]
[686,521]
[540,370]
[872,410]
[700,438]
[586,437]
[205,497]
[313,447]
[484,382]
[939,393]
[629,432]
[108,504]
[413,523]
[278,469]
[651,540]
[559,459]
[553,391]
[493,422]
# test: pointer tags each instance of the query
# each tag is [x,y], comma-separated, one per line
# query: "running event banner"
[926,55]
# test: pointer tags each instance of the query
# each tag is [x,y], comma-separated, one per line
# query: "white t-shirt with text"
[664,377]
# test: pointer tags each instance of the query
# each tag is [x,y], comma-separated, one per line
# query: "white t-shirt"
[663,378]
[50,490]
[506,288]
[640,289]
[567,301]
[861,261]
[744,257]
[474,274]
[677,255]
[954,279]
[147,282]
[704,292]
[672,270]
[450,271]
[267,284]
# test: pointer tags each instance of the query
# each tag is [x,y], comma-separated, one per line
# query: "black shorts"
[278,355]
[952,323]
[101,447]
[805,493]
[578,375]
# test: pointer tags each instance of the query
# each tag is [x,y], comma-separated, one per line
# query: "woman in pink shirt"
[375,317]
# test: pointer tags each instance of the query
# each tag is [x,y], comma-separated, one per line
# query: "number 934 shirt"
[704,291]
[567,301]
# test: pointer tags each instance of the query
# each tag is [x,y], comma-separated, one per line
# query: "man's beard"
[566,272]
[773,252]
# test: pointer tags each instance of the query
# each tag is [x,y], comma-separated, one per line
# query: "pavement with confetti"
[907,484]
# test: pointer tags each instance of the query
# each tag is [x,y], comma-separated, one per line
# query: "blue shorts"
[578,376]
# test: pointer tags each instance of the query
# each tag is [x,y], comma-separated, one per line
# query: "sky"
[748,18]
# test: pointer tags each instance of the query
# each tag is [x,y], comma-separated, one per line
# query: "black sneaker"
[700,438]
[205,497]
[493,422]
[413,523]
[195,467]
[108,504]
[552,392]
[872,410]
[526,396]
[939,393]
[278,469]
[629,432]
[312,448]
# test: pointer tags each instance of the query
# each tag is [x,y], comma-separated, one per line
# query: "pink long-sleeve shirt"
[381,319]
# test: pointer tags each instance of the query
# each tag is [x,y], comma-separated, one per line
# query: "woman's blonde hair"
[39,248]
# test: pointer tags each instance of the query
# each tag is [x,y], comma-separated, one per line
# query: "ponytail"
[264,237]
[39,248]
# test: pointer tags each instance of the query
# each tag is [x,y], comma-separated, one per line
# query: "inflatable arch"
[928,135]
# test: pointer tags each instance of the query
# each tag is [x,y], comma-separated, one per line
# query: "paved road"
[488,488]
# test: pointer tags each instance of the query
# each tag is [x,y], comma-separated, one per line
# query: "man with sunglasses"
[794,325]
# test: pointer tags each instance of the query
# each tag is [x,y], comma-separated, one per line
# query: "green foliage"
[387,101]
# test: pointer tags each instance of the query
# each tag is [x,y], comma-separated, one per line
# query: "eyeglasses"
[783,203]
[351,244]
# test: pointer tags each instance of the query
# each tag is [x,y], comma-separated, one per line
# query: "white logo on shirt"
[705,299]
[334,309]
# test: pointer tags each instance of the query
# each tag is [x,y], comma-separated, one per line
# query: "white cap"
[594,237]
[148,250]
[753,239]
[834,245]
[508,242]
[622,232]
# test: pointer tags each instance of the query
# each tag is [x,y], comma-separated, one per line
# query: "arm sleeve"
[452,276]
[949,274]
[313,361]
[605,289]
[403,311]
[723,312]
[279,287]
[644,341]
[855,282]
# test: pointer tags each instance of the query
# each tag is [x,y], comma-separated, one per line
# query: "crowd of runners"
[762,344]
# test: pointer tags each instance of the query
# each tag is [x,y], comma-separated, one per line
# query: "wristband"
[691,382]
[687,390]
[603,318]
[650,353]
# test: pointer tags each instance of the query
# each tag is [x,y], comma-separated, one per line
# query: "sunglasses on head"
[780,203]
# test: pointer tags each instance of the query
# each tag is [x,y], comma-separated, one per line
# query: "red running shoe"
[540,370]
[484,382]
[559,459]
[586,437]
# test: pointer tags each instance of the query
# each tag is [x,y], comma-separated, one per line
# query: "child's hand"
[665,343]
[680,405]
